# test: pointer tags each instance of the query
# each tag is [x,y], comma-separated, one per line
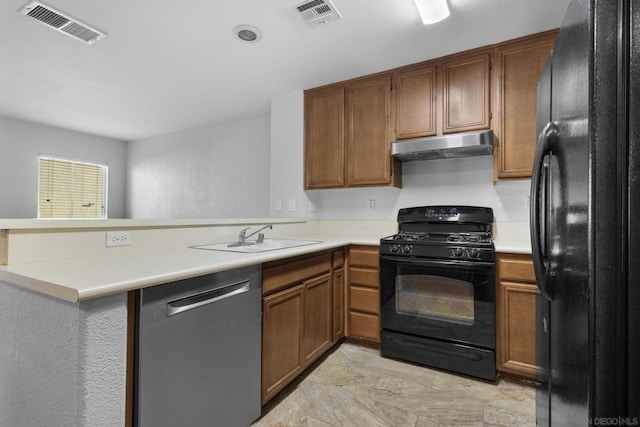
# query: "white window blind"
[71,189]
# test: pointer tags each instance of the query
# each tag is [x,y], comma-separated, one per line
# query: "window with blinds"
[71,189]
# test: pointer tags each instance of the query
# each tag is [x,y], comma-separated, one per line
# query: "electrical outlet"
[292,205]
[278,205]
[312,207]
[118,238]
[371,205]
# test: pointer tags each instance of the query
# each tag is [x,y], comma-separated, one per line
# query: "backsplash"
[464,181]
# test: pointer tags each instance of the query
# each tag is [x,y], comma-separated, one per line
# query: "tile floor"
[354,386]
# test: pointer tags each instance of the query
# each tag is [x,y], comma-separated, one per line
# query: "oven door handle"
[465,265]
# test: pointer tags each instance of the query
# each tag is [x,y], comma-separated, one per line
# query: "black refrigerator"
[585,215]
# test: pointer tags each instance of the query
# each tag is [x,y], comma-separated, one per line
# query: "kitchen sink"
[252,247]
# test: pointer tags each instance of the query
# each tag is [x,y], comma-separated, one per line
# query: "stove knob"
[394,249]
[407,249]
[457,252]
[473,253]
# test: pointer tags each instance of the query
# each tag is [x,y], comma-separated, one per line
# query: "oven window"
[435,297]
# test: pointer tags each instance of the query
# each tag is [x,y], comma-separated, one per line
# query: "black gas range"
[437,294]
[443,232]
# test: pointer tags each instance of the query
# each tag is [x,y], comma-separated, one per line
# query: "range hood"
[444,147]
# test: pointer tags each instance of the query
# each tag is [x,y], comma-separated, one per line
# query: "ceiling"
[170,65]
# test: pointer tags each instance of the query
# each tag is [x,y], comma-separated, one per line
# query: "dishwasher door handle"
[208,297]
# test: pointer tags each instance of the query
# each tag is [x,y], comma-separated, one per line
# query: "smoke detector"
[247,33]
[62,22]
[316,12]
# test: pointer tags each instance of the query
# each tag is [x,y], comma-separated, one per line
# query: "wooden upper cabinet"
[348,135]
[415,101]
[368,136]
[466,99]
[349,126]
[324,138]
[517,69]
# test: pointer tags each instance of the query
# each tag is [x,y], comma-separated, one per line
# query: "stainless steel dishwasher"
[198,350]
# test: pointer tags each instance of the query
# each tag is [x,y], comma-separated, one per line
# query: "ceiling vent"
[316,12]
[62,22]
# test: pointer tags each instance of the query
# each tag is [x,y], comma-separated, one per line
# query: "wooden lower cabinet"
[516,315]
[317,329]
[363,316]
[282,336]
[302,315]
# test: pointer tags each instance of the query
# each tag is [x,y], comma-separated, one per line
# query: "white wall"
[464,181]
[215,171]
[287,156]
[62,364]
[21,142]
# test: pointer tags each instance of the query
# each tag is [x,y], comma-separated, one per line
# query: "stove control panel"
[439,251]
[442,212]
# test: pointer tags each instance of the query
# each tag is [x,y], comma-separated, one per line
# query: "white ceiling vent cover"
[62,22]
[316,12]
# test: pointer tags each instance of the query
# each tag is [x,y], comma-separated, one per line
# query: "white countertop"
[512,246]
[80,279]
[91,272]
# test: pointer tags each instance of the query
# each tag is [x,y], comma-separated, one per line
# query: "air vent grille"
[62,22]
[48,17]
[316,12]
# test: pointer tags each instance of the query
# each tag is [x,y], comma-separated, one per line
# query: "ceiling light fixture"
[247,33]
[432,11]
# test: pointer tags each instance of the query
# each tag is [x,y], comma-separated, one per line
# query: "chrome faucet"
[243,236]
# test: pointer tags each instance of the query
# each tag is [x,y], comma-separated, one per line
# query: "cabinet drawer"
[282,275]
[516,268]
[364,325]
[366,256]
[364,277]
[364,299]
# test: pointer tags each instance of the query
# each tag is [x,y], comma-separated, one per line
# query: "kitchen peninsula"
[64,310]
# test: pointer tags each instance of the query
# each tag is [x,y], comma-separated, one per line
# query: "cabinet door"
[415,101]
[282,337]
[466,94]
[338,304]
[516,315]
[317,332]
[516,330]
[518,66]
[324,152]
[369,132]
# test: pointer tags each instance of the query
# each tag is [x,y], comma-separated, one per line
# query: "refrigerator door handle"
[539,225]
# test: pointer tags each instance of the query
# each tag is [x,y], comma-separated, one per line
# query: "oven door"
[446,300]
